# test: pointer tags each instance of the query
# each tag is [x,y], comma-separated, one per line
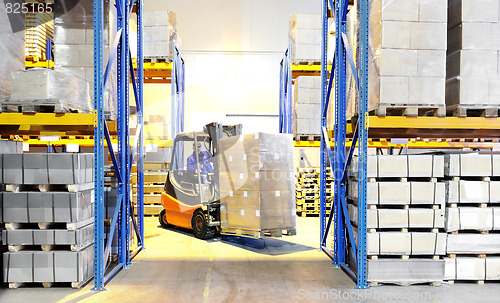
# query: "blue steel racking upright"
[285,104]
[343,236]
[125,155]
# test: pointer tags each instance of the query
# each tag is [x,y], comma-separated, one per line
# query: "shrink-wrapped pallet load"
[257,184]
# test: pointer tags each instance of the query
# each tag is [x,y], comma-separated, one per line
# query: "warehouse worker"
[205,159]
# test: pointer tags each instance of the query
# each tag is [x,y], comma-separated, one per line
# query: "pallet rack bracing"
[127,153]
[343,236]
[285,113]
[125,156]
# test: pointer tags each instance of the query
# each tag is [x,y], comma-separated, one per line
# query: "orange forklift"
[191,197]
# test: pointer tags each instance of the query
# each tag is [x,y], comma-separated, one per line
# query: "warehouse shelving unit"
[365,131]
[343,236]
[126,152]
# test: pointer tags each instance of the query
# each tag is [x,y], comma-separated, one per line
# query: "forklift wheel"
[200,226]
[163,219]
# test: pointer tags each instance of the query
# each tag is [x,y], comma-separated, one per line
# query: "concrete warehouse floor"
[176,267]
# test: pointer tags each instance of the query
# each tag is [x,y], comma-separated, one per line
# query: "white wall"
[232,50]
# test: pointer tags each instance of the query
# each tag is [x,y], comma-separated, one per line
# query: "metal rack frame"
[285,113]
[343,237]
[125,155]
[178,89]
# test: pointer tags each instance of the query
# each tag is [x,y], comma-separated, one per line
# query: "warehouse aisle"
[176,267]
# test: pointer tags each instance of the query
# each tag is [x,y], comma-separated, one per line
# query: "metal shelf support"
[343,236]
[285,114]
[124,211]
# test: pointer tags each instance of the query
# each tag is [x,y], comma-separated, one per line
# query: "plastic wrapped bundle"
[305,36]
[306,106]
[58,87]
[74,46]
[11,49]
[257,183]
[407,54]
[473,54]
[159,34]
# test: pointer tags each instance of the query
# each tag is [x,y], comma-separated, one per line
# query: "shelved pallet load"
[74,46]
[472,217]
[11,48]
[160,32]
[155,174]
[405,217]
[39,28]
[407,57]
[257,185]
[48,210]
[157,128]
[304,33]
[306,112]
[307,191]
[42,90]
[473,57]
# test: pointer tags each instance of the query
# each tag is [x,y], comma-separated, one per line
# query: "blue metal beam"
[324,73]
[122,164]
[364,7]
[98,150]
[140,119]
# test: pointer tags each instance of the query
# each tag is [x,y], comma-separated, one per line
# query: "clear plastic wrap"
[257,183]
[11,50]
[41,86]
[160,32]
[407,54]
[74,44]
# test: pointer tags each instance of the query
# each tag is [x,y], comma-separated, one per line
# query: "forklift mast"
[217,131]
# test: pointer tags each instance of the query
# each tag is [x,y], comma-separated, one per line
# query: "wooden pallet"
[49,247]
[475,110]
[258,234]
[74,285]
[151,199]
[50,225]
[36,106]
[149,189]
[306,62]
[409,110]
[310,214]
[307,137]
[151,210]
[49,187]
[156,59]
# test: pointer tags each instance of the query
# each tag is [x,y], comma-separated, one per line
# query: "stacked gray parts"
[472,217]
[473,73]
[48,212]
[405,217]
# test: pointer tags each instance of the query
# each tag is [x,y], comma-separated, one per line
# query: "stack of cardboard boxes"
[257,188]
[473,70]
[407,56]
